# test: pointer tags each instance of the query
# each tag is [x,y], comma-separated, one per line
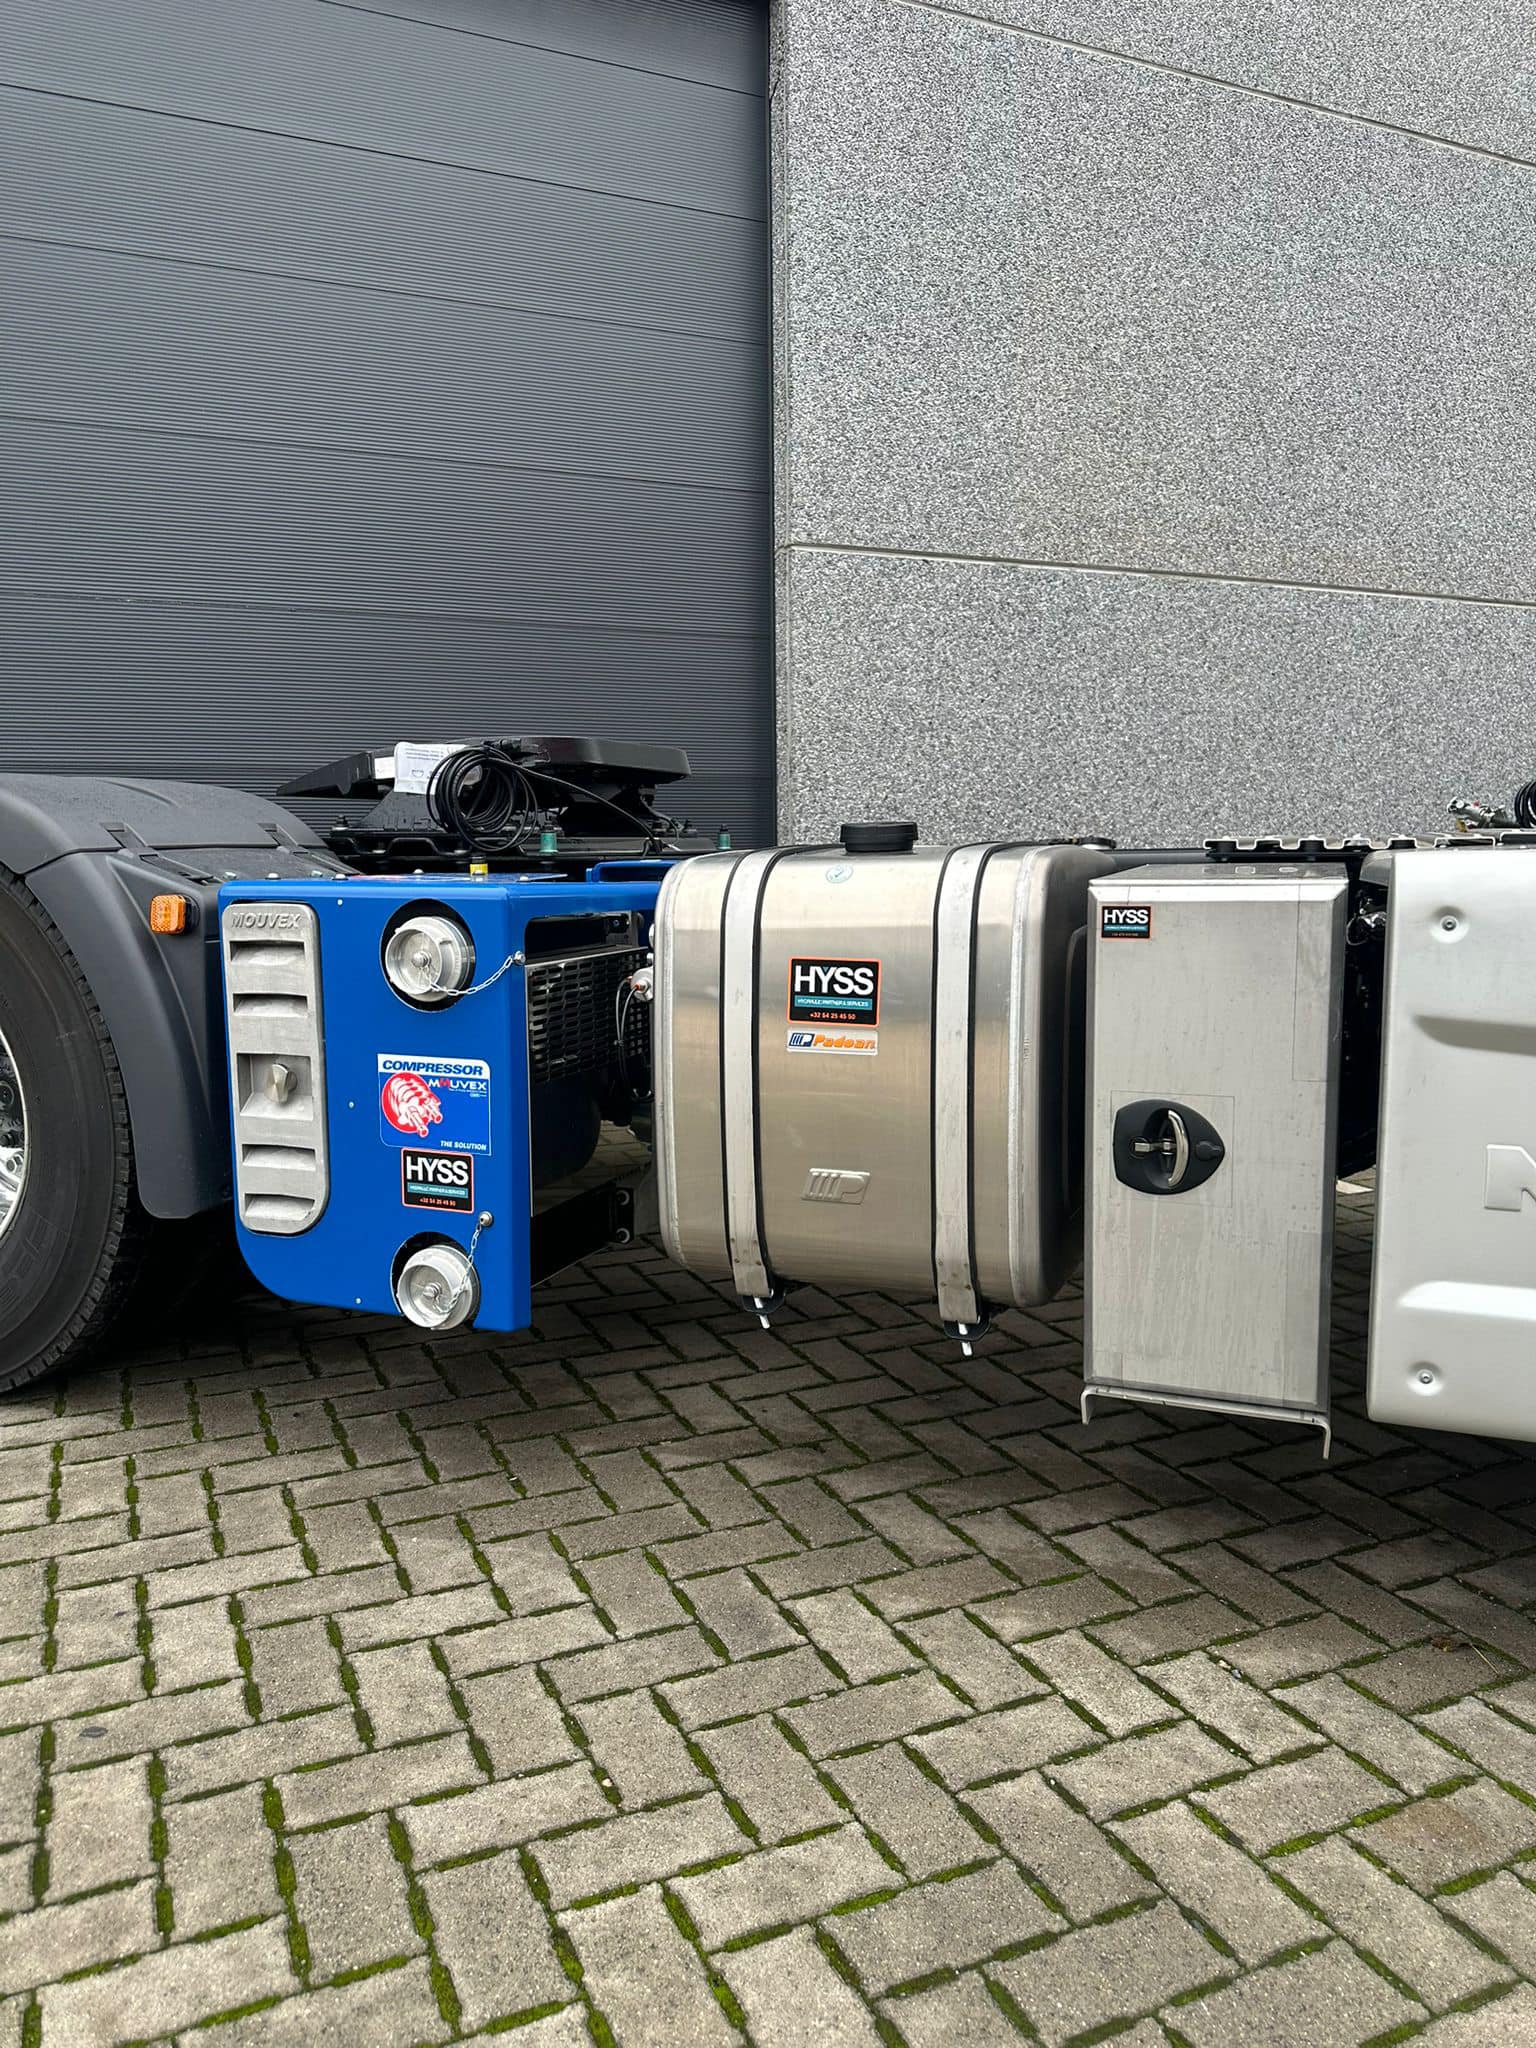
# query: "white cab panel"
[1453,1309]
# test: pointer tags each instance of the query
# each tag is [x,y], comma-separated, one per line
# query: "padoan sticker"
[799,1039]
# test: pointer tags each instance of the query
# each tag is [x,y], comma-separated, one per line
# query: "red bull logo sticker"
[436,1102]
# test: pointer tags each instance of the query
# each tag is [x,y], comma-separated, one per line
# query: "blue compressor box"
[371,1117]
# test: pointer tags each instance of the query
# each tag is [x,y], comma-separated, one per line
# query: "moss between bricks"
[51,1615]
[159,1843]
[457,1702]
[483,1563]
[443,1989]
[402,1416]
[301,1534]
[340,1434]
[390,1546]
[42,1811]
[264,1417]
[211,1502]
[360,1971]
[287,1881]
[512,2022]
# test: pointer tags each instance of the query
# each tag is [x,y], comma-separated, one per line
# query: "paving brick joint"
[649,1678]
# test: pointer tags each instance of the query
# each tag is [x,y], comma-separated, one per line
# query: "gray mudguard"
[94,851]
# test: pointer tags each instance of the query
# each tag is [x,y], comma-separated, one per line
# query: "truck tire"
[72,1232]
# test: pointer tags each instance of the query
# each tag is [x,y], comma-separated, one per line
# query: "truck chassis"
[412,1055]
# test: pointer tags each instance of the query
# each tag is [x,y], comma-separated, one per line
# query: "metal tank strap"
[954,988]
[740,951]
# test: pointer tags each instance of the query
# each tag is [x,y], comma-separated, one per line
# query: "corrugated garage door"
[377,371]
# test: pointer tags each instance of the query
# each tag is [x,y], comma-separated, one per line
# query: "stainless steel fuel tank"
[868,1070]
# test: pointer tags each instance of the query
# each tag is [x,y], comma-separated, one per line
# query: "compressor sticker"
[834,992]
[434,1101]
[437,1180]
[1126,921]
[866,1042]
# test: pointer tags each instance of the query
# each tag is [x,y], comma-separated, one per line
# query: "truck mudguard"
[93,851]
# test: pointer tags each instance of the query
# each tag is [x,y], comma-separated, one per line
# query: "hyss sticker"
[834,992]
[438,1180]
[433,1101]
[1125,921]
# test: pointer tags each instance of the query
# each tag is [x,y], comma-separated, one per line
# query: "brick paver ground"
[651,1679]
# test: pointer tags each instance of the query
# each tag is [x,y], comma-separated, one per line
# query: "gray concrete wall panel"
[1050,305]
[1071,312]
[987,698]
[1463,70]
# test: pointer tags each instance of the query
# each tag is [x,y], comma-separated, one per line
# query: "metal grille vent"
[571,1013]
[276,1064]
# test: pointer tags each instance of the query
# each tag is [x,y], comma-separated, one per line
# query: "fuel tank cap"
[889,836]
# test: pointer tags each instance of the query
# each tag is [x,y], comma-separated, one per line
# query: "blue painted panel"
[347,1258]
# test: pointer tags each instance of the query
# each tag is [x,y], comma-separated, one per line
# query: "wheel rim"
[13,1138]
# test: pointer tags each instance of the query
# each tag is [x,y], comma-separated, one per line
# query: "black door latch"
[1164,1148]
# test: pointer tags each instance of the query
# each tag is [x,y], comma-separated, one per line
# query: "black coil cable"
[490,801]
[485,798]
[1524,807]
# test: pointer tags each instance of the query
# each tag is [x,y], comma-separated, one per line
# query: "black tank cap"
[887,837]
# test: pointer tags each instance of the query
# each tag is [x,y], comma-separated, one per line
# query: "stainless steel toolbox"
[868,1070]
[1214,1027]
[1453,1305]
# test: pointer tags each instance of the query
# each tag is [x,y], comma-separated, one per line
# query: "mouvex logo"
[410,1105]
[446,1102]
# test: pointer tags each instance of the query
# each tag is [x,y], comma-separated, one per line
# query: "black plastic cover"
[889,836]
[352,775]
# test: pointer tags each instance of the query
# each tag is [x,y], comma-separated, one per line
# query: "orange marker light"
[169,916]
